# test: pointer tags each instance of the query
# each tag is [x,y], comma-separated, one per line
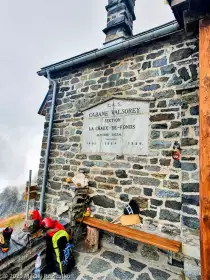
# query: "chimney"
[119,20]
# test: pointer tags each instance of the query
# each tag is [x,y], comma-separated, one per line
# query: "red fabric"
[37,216]
[48,223]
[57,227]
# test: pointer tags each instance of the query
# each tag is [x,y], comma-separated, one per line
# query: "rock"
[159,274]
[155,54]
[61,210]
[114,77]
[155,134]
[113,257]
[100,179]
[122,274]
[146,181]
[191,222]
[160,144]
[125,182]
[137,166]
[136,266]
[174,80]
[121,174]
[166,194]
[126,244]
[143,276]
[142,202]
[120,165]
[161,117]
[170,185]
[168,69]
[150,87]
[156,202]
[165,162]
[188,166]
[149,213]
[189,121]
[98,266]
[144,75]
[194,72]
[146,65]
[184,74]
[132,190]
[173,204]
[188,210]
[103,201]
[149,252]
[180,54]
[160,62]
[94,157]
[159,126]
[169,216]
[190,199]
[190,187]
[112,180]
[124,197]
[175,124]
[148,191]
[171,230]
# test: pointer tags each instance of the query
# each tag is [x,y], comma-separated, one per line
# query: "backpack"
[59,252]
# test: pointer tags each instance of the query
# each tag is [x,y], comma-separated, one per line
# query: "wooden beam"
[204,111]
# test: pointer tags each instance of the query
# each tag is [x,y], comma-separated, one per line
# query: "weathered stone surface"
[142,202]
[159,274]
[166,194]
[161,117]
[133,191]
[114,257]
[98,265]
[173,204]
[160,145]
[191,222]
[190,199]
[146,181]
[170,230]
[125,182]
[144,75]
[169,215]
[100,179]
[188,210]
[120,165]
[121,174]
[143,276]
[159,126]
[156,202]
[148,213]
[148,191]
[102,200]
[136,266]
[124,197]
[180,54]
[94,157]
[188,166]
[122,274]
[170,185]
[149,252]
[126,244]
[174,80]
[190,187]
[137,166]
[168,69]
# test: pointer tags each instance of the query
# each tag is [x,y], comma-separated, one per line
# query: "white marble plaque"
[116,127]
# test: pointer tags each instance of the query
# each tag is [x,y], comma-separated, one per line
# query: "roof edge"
[147,36]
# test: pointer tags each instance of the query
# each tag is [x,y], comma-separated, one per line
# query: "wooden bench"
[134,234]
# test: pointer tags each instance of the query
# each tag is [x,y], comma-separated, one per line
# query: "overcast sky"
[34,34]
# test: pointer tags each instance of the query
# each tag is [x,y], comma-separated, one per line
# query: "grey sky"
[36,33]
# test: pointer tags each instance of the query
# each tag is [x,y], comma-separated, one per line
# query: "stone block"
[103,201]
[169,216]
[180,54]
[146,181]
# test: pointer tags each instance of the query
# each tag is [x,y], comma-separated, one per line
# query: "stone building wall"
[166,190]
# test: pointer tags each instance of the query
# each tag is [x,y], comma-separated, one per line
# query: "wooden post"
[204,111]
[92,240]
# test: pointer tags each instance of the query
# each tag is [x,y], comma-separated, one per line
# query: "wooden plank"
[204,111]
[147,238]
